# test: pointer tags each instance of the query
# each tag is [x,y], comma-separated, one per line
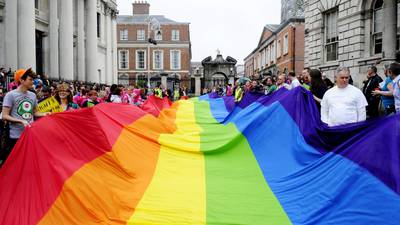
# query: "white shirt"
[396,93]
[343,105]
[295,83]
[116,99]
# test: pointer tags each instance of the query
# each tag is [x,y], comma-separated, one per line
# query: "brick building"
[280,50]
[170,58]
[355,34]
[281,47]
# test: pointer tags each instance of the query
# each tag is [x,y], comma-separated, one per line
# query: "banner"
[50,105]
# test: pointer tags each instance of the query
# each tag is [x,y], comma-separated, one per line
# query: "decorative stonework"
[292,9]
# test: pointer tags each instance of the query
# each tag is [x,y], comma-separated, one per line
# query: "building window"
[331,35]
[158,59]
[158,35]
[377,27]
[175,35]
[278,49]
[273,53]
[141,35]
[175,59]
[140,59]
[286,44]
[123,34]
[123,59]
[98,25]
[36,4]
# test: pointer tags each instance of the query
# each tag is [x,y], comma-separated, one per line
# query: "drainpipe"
[294,49]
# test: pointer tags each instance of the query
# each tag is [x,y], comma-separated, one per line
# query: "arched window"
[377,26]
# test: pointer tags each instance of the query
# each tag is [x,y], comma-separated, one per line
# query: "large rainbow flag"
[268,160]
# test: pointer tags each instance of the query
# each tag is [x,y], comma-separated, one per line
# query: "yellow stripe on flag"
[178,186]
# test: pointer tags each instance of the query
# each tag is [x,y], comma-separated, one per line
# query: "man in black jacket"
[371,84]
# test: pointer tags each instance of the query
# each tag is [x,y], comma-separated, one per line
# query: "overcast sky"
[233,26]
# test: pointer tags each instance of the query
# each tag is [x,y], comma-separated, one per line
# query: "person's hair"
[308,69]
[92,92]
[117,91]
[292,74]
[386,66]
[63,87]
[373,68]
[46,89]
[342,69]
[28,73]
[395,68]
[316,80]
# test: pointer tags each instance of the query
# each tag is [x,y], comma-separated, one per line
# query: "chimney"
[141,8]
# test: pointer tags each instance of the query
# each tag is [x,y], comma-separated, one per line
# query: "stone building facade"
[167,62]
[218,71]
[62,39]
[351,33]
[280,50]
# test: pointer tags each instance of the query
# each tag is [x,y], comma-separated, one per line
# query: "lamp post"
[152,24]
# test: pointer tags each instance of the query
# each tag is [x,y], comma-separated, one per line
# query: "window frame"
[119,59]
[175,35]
[286,44]
[377,35]
[140,37]
[124,35]
[161,59]
[172,60]
[331,43]
[138,61]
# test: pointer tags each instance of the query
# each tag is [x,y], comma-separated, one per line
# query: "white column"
[197,78]
[53,37]
[26,34]
[109,65]
[91,41]
[11,32]
[66,40]
[114,50]
[389,29]
[81,41]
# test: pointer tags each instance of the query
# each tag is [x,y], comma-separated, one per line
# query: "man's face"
[342,79]
[370,72]
[93,97]
[306,76]
[280,80]
[28,83]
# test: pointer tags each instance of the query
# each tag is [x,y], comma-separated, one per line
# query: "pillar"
[66,40]
[91,42]
[11,32]
[53,39]
[26,34]
[389,30]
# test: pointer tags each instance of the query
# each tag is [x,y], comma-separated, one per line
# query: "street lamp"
[152,25]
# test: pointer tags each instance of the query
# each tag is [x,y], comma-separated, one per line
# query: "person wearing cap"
[19,109]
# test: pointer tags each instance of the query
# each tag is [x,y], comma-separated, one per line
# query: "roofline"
[279,29]
[181,23]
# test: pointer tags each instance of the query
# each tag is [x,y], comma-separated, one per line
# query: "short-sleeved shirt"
[22,106]
[295,83]
[342,105]
[396,93]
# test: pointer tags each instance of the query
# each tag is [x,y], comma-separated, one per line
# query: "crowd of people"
[22,95]
[339,102]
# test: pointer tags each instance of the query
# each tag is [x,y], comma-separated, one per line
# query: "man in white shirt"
[343,103]
[294,81]
[394,71]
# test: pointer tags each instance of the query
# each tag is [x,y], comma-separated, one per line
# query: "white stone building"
[352,33]
[63,39]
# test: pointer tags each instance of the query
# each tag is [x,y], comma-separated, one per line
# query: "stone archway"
[219,78]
